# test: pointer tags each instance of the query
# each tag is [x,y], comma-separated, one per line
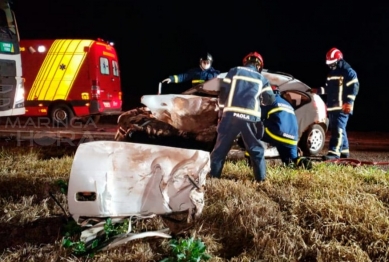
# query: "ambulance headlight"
[41,48]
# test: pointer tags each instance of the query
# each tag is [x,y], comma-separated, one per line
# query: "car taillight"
[120,95]
[95,89]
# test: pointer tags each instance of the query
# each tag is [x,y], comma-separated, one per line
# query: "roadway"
[105,130]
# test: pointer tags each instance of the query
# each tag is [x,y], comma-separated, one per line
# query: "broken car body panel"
[188,113]
[114,179]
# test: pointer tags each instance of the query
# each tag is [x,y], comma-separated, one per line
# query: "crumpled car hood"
[188,113]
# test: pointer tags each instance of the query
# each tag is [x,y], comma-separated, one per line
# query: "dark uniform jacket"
[280,121]
[342,86]
[196,75]
[241,93]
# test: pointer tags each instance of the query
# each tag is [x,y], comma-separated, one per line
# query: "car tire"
[61,115]
[312,141]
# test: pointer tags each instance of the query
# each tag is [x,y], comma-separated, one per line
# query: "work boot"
[344,155]
[330,157]
[304,162]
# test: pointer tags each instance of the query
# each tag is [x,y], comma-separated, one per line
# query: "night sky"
[155,39]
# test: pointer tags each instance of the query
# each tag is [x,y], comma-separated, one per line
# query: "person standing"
[242,92]
[342,87]
[197,75]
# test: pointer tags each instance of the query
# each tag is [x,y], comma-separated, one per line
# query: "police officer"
[341,87]
[281,131]
[241,93]
[197,75]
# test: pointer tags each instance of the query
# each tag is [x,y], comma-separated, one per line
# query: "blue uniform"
[241,93]
[196,75]
[281,129]
[342,87]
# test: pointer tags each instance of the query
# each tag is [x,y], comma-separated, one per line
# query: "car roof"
[284,81]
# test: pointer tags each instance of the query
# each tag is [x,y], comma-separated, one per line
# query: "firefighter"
[342,87]
[281,131]
[241,93]
[197,75]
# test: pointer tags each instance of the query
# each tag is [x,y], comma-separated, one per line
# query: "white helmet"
[206,61]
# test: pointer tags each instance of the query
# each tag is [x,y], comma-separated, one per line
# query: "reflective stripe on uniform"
[280,139]
[255,110]
[334,108]
[355,80]
[197,81]
[227,80]
[277,109]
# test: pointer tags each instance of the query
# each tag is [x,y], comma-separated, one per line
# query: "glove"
[346,108]
[167,81]
[267,98]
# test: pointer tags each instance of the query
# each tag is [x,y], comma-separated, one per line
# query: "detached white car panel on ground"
[130,182]
[115,179]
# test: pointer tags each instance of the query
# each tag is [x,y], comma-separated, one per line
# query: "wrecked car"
[189,119]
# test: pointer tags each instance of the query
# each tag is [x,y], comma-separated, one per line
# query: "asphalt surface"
[39,131]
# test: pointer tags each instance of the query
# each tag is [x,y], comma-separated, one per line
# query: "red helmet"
[334,55]
[253,57]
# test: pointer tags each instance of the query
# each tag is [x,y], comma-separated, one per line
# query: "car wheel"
[312,141]
[61,114]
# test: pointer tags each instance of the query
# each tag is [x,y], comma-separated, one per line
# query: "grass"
[330,213]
